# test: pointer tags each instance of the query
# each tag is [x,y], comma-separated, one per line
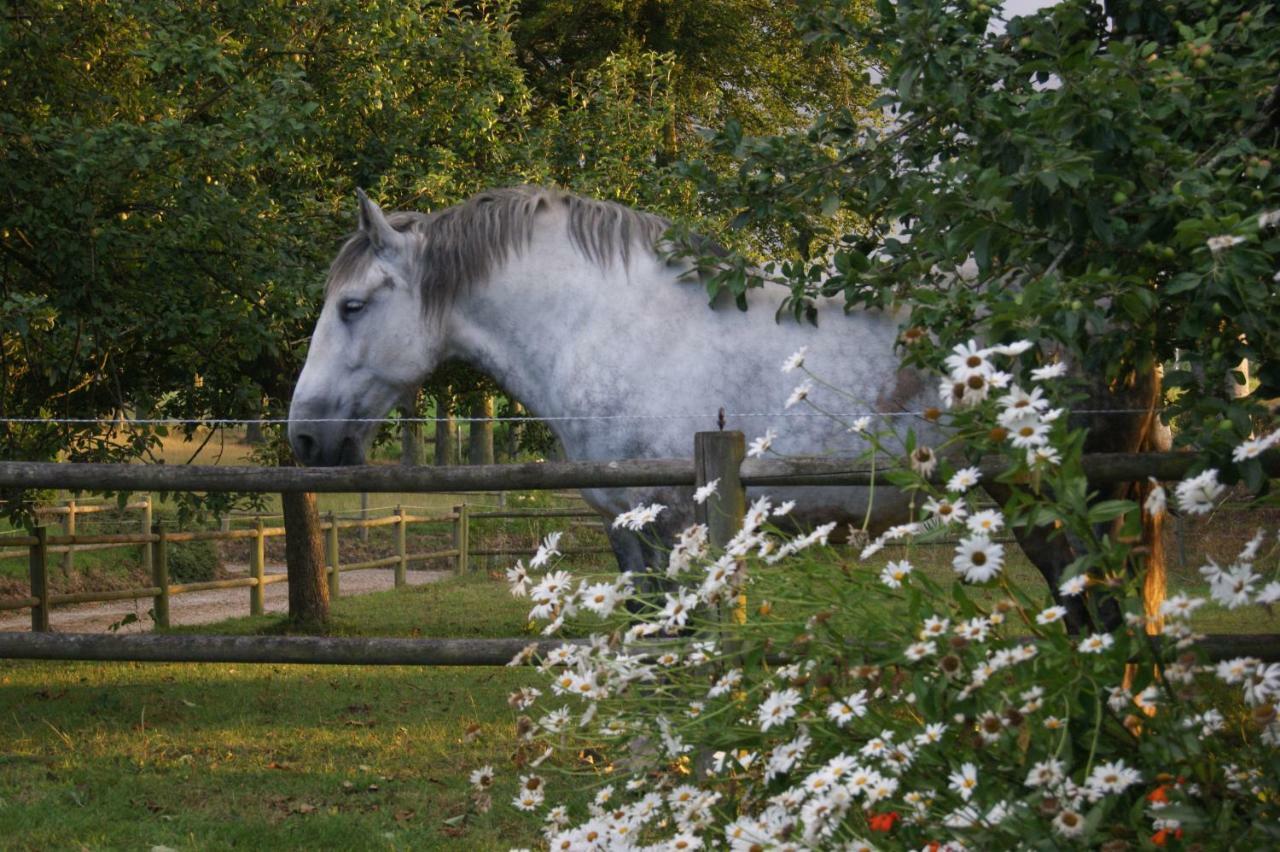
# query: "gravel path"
[201,607]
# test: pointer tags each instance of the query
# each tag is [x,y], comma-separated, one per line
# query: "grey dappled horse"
[569,305]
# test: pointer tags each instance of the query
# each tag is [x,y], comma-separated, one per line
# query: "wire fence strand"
[284,421]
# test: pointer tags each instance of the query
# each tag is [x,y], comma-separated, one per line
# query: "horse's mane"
[461,245]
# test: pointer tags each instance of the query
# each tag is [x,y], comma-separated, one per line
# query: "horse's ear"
[374,224]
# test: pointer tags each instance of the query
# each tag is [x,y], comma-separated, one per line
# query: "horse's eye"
[351,307]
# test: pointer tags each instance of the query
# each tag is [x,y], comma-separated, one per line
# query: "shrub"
[193,562]
[856,703]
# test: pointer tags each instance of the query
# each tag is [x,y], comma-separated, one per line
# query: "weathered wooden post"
[461,537]
[331,556]
[40,580]
[148,549]
[402,567]
[719,455]
[69,528]
[160,577]
[258,570]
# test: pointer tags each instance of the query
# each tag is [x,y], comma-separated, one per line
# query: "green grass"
[129,756]
[470,607]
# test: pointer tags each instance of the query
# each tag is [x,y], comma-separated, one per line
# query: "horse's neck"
[547,328]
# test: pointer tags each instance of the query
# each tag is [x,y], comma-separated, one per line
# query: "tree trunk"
[304,556]
[444,429]
[253,433]
[481,448]
[513,432]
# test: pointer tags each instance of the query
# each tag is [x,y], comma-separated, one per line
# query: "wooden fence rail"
[379,651]
[717,455]
[37,547]
[1101,468]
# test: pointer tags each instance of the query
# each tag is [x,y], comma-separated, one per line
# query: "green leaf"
[1109,509]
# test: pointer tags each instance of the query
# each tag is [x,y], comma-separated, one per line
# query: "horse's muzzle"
[323,443]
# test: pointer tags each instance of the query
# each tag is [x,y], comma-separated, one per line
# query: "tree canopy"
[1099,180]
[178,175]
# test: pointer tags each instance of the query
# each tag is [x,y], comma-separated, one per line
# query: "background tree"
[1099,180]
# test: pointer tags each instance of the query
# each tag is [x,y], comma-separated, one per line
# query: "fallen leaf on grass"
[405,816]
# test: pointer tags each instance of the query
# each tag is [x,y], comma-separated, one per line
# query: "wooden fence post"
[402,567]
[258,569]
[461,537]
[160,577]
[719,455]
[40,580]
[148,549]
[69,528]
[331,556]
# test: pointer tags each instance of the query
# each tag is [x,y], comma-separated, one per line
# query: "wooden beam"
[1101,468]
[265,649]
[378,651]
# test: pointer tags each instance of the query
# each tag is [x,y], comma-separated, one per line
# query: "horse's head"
[370,347]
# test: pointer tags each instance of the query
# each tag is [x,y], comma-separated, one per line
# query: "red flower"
[882,822]
[1159,794]
[1161,837]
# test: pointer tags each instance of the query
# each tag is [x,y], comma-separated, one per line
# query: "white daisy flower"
[777,708]
[919,650]
[1049,371]
[1223,242]
[923,460]
[795,361]
[978,559]
[1074,586]
[700,496]
[800,394]
[895,573]
[1197,495]
[1255,447]
[1068,823]
[986,522]
[965,781]
[482,778]
[1051,615]
[1096,643]
[964,479]
[761,445]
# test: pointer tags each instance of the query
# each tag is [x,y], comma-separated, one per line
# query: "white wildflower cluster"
[556,596]
[1238,584]
[1025,415]
[977,557]
[921,741]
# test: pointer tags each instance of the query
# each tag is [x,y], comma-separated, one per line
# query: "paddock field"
[140,756]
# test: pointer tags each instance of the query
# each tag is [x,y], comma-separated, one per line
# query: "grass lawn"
[131,755]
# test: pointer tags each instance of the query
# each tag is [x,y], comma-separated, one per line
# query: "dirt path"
[201,607]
